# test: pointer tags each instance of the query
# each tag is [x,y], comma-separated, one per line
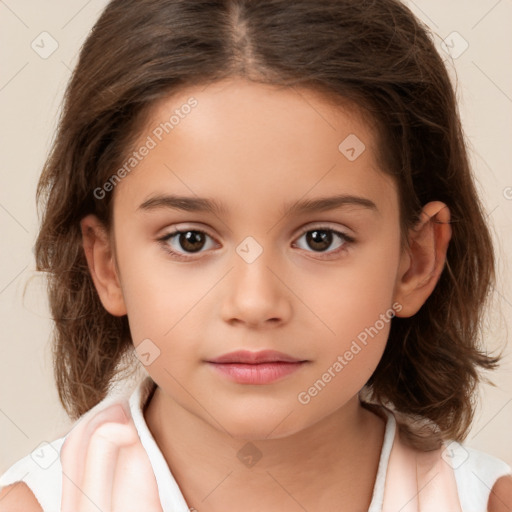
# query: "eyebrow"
[200,204]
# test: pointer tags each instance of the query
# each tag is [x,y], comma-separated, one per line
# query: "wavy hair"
[372,53]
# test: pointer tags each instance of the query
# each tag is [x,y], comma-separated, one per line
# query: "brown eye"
[191,241]
[185,242]
[321,239]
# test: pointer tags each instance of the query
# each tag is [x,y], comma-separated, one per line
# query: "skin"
[255,148]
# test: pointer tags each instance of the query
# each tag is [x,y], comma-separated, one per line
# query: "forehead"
[237,140]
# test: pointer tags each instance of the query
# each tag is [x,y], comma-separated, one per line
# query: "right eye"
[191,241]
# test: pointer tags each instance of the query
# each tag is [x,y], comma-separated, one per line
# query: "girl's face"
[301,254]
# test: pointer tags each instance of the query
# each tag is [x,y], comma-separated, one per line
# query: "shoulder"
[35,483]
[18,496]
[36,479]
[500,499]
[482,479]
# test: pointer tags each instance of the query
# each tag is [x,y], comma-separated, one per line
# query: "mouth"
[263,367]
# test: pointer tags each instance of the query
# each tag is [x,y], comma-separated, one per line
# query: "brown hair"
[373,53]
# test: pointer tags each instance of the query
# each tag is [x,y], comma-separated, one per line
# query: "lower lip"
[263,373]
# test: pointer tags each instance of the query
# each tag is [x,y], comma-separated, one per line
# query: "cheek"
[158,307]
[355,303]
[347,358]
[353,295]
[149,291]
[165,302]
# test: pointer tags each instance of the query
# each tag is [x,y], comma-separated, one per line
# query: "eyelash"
[164,239]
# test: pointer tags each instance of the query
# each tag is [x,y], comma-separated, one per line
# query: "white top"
[475,472]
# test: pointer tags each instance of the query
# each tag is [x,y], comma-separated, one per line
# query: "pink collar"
[419,481]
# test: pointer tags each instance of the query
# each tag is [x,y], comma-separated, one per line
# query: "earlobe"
[100,260]
[421,265]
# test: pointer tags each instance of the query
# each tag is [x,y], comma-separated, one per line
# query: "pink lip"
[262,367]
[263,356]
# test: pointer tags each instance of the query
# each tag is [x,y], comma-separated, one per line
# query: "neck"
[330,465]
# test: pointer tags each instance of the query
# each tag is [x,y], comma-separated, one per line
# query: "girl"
[271,202]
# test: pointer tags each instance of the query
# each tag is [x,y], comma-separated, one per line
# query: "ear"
[101,262]
[422,263]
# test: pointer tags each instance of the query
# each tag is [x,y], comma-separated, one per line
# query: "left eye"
[320,239]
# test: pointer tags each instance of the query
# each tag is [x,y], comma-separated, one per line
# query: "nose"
[255,295]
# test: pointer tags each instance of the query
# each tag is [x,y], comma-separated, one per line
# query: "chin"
[260,425]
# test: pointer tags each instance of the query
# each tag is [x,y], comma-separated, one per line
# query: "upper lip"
[247,357]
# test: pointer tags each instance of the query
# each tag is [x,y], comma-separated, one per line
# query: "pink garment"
[419,481]
[104,464]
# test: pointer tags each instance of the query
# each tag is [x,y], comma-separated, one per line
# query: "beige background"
[31,88]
